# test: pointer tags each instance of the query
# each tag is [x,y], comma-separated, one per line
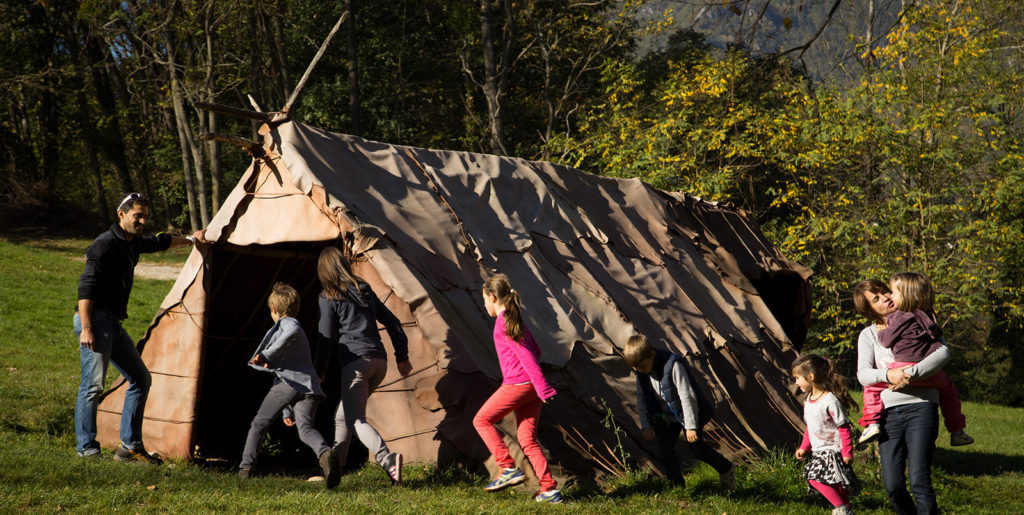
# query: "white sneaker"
[843,510]
[960,438]
[870,434]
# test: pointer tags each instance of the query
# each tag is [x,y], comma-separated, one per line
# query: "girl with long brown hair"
[349,312]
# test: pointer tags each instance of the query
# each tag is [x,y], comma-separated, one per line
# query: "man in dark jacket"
[103,291]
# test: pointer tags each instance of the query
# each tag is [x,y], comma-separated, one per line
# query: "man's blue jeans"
[111,344]
[908,442]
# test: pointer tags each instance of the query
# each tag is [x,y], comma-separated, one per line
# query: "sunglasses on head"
[130,198]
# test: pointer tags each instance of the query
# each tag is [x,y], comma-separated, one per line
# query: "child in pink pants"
[523,390]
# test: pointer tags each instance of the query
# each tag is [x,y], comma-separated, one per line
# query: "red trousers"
[522,399]
[949,400]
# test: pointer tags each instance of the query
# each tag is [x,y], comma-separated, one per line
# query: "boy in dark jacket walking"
[669,402]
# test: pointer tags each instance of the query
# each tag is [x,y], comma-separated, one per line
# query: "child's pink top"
[519,361]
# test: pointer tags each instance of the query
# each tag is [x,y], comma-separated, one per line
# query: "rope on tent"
[410,435]
[414,372]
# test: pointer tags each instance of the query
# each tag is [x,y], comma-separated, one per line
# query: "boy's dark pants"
[667,434]
[279,396]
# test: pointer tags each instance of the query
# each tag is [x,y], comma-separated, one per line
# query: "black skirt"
[827,467]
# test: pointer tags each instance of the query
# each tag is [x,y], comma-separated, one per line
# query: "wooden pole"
[309,69]
[233,111]
[252,102]
[250,146]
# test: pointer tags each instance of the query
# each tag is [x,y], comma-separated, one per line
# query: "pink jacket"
[519,361]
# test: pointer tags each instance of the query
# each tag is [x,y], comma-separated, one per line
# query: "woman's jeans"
[906,448]
[111,344]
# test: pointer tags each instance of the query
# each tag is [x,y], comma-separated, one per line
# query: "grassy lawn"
[39,470]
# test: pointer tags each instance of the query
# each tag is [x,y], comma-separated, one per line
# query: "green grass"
[39,471]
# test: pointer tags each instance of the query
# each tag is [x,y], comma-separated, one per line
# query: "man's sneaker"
[393,466]
[510,477]
[727,479]
[329,466]
[870,434]
[123,453]
[245,473]
[960,438]
[91,452]
[551,496]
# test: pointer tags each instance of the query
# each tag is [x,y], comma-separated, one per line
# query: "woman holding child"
[349,312]
[910,422]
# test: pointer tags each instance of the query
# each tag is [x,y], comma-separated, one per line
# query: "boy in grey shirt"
[668,402]
[285,352]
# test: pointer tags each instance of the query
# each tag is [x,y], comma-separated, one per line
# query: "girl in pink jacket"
[523,390]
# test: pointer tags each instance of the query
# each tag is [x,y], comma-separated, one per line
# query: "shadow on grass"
[968,463]
[644,485]
[449,476]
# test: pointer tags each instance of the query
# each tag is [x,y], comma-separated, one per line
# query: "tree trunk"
[491,86]
[202,195]
[272,24]
[211,146]
[353,68]
[50,152]
[111,138]
[216,175]
[181,123]
[89,139]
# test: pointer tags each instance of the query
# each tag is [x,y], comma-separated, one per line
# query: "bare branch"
[828,19]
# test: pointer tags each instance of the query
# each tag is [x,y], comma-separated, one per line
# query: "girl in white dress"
[828,436]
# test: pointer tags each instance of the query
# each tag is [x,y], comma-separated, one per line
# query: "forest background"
[866,136]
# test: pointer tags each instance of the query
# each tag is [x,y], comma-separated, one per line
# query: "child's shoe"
[329,466]
[727,479]
[551,496]
[870,434]
[393,466]
[244,473]
[509,477]
[124,453]
[843,510]
[960,438]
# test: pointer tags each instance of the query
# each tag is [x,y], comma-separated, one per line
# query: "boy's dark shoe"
[123,453]
[960,438]
[89,453]
[244,473]
[727,479]
[393,466]
[329,466]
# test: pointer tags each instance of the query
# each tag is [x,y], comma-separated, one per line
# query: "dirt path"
[154,271]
